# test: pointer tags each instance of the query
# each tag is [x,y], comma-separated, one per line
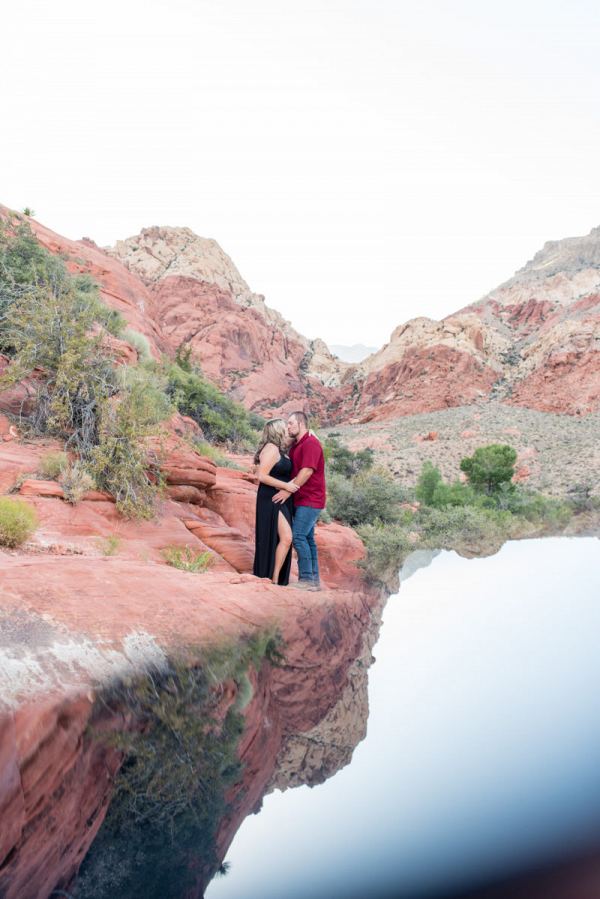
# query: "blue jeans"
[303,535]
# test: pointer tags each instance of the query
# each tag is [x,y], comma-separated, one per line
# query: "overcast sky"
[362,162]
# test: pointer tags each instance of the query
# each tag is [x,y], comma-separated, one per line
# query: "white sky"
[362,162]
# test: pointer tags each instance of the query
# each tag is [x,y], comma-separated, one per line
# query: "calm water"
[483,741]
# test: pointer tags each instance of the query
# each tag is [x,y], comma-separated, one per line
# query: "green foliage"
[490,466]
[341,460]
[428,480]
[221,419]
[140,344]
[18,521]
[54,324]
[119,460]
[28,211]
[185,559]
[183,358]
[454,526]
[27,269]
[52,464]
[582,498]
[256,421]
[456,494]
[365,498]
[544,512]
[386,547]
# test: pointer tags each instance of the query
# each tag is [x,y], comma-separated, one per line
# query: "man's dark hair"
[299,416]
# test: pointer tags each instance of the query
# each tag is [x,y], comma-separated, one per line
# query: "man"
[308,472]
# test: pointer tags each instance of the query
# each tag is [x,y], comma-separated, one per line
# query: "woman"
[273,554]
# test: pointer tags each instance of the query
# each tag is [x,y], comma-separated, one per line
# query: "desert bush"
[341,460]
[455,494]
[448,527]
[550,513]
[119,462]
[221,419]
[18,521]
[364,499]
[27,268]
[110,545]
[54,323]
[139,342]
[185,559]
[52,464]
[75,482]
[386,547]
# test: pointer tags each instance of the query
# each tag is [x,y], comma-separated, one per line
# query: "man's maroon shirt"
[308,453]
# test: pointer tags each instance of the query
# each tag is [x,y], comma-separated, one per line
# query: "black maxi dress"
[267,519]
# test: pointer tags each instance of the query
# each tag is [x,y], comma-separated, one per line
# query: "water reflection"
[482,747]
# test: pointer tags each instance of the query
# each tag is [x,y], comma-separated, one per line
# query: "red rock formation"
[101,616]
[567,382]
[426,379]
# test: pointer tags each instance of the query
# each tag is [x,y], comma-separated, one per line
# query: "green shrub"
[364,499]
[139,342]
[342,460]
[27,268]
[185,559]
[386,547]
[456,494]
[551,513]
[18,521]
[50,322]
[221,419]
[449,527]
[52,464]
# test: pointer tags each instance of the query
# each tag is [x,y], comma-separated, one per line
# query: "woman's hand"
[312,434]
[292,487]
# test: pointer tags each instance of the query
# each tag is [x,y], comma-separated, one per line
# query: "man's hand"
[281,496]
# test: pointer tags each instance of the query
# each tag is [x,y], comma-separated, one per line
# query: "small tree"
[490,467]
[429,479]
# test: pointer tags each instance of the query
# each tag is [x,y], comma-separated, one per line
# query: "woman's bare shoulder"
[268,450]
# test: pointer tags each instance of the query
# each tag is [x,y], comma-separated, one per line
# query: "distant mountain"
[356,353]
[533,342]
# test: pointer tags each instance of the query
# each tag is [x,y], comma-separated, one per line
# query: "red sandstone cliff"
[71,617]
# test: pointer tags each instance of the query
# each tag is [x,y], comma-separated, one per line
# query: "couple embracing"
[291,496]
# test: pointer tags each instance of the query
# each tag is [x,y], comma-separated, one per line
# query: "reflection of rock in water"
[60,635]
[420,558]
[315,755]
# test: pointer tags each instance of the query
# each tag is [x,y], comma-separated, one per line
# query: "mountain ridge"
[533,341]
